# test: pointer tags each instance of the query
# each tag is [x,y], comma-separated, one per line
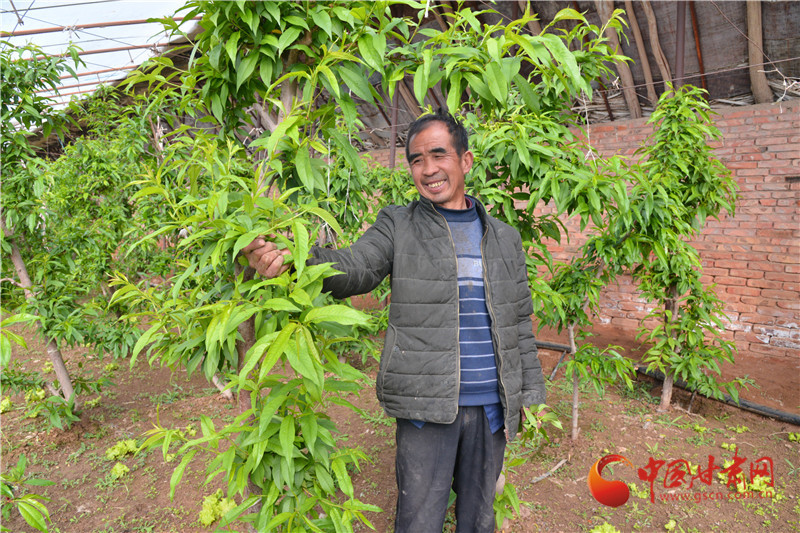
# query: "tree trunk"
[53,352]
[605,9]
[670,305]
[247,330]
[755,53]
[575,384]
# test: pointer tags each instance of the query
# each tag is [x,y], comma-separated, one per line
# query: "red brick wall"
[753,257]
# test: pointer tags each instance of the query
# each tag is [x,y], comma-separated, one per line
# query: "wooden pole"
[696,31]
[640,48]
[604,9]
[755,52]
[680,43]
[655,45]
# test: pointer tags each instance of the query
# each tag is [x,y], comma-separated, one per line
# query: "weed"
[102,431]
[793,470]
[598,426]
[640,517]
[700,440]
[379,418]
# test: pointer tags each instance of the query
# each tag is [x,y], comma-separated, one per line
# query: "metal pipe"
[696,31]
[128,67]
[108,50]
[84,27]
[680,43]
[84,84]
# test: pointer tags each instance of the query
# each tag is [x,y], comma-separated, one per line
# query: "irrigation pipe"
[747,405]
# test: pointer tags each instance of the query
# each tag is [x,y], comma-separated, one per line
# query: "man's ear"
[467,159]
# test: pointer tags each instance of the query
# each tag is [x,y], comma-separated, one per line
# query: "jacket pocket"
[389,347]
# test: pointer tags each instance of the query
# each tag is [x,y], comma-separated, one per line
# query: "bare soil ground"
[85,499]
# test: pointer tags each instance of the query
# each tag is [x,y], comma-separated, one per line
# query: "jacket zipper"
[458,313]
[490,308]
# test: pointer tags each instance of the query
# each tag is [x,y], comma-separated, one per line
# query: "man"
[459,359]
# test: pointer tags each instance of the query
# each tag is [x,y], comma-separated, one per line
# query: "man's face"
[437,169]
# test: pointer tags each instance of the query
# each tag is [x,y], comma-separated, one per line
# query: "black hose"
[783,416]
[747,405]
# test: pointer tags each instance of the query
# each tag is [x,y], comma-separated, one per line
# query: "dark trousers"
[464,455]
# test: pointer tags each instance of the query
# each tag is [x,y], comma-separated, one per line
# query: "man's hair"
[458,133]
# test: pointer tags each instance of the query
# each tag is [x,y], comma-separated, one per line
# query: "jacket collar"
[431,210]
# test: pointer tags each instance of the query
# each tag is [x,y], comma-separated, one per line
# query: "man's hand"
[265,258]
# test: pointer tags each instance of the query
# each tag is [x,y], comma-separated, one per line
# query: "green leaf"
[308,425]
[497,82]
[305,173]
[300,357]
[286,437]
[342,477]
[564,57]
[355,80]
[421,83]
[231,46]
[288,37]
[301,246]
[366,48]
[276,349]
[177,475]
[246,68]
[341,314]
[34,512]
[322,20]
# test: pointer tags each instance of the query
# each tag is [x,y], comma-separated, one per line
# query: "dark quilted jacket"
[419,368]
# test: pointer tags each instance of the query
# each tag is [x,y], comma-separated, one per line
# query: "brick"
[783,146]
[728,281]
[766,349]
[764,284]
[768,308]
[774,163]
[776,294]
[729,263]
[625,323]
[741,290]
[783,258]
[765,266]
[743,308]
[771,141]
[741,164]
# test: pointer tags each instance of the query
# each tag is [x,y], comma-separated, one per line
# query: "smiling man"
[459,358]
